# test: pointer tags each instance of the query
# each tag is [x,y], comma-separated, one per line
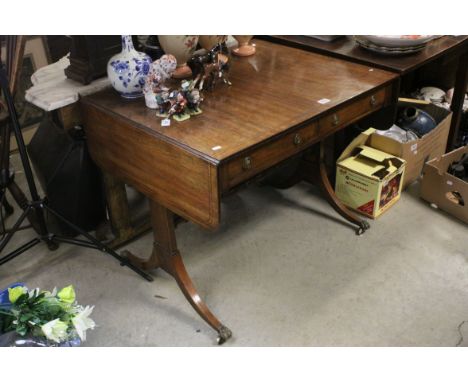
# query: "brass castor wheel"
[224,334]
[363,227]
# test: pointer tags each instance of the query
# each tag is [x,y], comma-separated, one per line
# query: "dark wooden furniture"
[446,48]
[274,110]
[89,56]
[57,46]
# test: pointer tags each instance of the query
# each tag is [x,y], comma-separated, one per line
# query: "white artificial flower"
[34,292]
[51,294]
[55,330]
[82,322]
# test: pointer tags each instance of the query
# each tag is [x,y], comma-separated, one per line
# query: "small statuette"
[192,96]
[163,103]
[209,68]
[160,71]
[178,106]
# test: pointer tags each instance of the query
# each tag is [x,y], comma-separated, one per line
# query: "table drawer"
[348,114]
[254,161]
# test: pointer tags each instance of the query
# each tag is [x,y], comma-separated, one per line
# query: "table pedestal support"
[329,193]
[166,256]
[119,214]
[321,177]
[314,170]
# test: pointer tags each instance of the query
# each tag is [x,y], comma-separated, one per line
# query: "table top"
[277,88]
[345,47]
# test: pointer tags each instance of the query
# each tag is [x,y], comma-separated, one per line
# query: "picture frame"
[35,57]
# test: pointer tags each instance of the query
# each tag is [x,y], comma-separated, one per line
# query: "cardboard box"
[446,191]
[368,180]
[416,153]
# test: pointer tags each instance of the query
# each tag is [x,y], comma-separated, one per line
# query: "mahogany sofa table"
[446,47]
[283,100]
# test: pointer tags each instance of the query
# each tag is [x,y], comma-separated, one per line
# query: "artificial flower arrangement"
[53,317]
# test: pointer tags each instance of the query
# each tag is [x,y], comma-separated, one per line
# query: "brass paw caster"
[224,335]
[363,227]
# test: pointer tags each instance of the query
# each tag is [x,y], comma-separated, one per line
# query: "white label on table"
[449,182]
[371,70]
[414,147]
[216,148]
[323,101]
[166,122]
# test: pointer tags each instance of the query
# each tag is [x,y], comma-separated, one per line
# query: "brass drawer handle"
[336,119]
[373,101]
[297,139]
[247,163]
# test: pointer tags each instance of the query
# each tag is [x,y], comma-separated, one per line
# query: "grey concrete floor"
[282,270]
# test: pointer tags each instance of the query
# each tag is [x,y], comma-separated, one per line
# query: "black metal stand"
[34,209]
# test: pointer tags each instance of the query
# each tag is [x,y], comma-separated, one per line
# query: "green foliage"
[30,311]
[35,308]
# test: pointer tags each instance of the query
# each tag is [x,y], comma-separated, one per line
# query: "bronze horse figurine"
[209,67]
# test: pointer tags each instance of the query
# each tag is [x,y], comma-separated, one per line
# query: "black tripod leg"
[23,203]
[7,206]
[14,189]
[19,251]
[35,216]
[15,227]
[100,246]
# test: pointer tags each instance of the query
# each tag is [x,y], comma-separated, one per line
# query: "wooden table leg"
[165,255]
[461,81]
[329,193]
[119,213]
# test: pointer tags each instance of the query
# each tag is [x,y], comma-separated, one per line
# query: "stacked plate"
[394,44]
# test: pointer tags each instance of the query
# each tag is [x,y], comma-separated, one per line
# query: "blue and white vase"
[128,69]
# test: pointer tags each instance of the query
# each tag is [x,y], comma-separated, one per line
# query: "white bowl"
[398,40]
[433,94]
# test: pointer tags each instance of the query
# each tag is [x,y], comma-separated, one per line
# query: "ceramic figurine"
[209,42]
[149,91]
[210,68]
[163,102]
[244,49]
[161,70]
[165,66]
[192,96]
[178,106]
[182,47]
[128,69]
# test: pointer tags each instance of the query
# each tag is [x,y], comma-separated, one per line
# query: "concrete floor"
[283,270]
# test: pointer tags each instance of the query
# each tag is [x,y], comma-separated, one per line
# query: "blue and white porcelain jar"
[128,69]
